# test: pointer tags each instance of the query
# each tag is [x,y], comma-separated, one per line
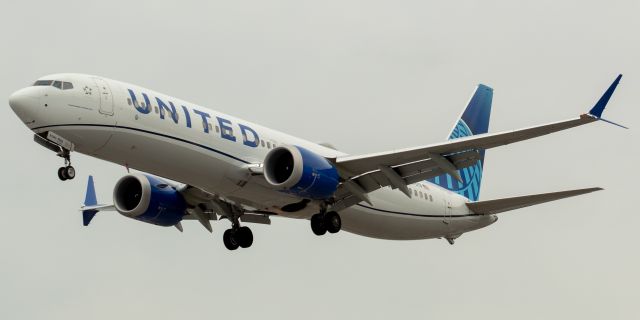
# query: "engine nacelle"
[148,199]
[298,171]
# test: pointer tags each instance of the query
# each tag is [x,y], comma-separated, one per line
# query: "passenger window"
[217,129]
[431,198]
[268,145]
[415,193]
[156,109]
[262,143]
[67,85]
[57,84]
[129,101]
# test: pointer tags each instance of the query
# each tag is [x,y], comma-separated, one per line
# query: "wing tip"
[90,199]
[599,107]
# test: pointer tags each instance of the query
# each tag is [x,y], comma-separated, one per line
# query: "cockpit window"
[62,85]
[43,83]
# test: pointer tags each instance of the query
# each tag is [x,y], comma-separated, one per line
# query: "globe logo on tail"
[471,176]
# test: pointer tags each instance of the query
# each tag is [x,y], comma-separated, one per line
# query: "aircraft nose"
[22,99]
[24,104]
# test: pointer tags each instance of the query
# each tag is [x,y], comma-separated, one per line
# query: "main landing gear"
[237,236]
[67,172]
[323,222]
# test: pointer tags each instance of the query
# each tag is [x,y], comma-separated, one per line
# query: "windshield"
[62,85]
[43,83]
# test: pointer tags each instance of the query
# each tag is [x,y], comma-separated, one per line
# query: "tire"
[317,225]
[70,172]
[230,239]
[245,237]
[332,222]
[62,174]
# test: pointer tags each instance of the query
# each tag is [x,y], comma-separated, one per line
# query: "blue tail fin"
[474,120]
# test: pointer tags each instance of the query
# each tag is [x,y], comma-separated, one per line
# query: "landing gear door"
[106,96]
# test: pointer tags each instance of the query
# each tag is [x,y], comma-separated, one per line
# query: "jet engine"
[149,199]
[301,172]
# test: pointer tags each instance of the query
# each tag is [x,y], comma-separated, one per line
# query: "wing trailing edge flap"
[409,173]
[416,171]
[205,206]
[508,204]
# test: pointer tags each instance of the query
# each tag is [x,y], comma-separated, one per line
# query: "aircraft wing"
[202,206]
[508,204]
[398,168]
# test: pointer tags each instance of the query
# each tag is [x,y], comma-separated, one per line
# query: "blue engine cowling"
[298,171]
[149,199]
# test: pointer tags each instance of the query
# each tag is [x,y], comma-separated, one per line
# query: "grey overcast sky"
[366,76]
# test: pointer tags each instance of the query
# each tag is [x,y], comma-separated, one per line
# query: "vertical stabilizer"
[473,121]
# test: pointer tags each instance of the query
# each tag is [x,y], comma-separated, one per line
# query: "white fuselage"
[111,120]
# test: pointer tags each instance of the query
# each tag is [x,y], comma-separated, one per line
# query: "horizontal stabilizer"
[508,204]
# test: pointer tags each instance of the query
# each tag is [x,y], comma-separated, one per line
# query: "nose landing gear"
[67,172]
[62,148]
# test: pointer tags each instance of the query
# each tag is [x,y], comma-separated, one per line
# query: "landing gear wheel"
[332,222]
[66,173]
[62,174]
[244,237]
[70,172]
[230,239]
[318,225]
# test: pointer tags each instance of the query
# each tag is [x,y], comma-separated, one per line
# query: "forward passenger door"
[106,96]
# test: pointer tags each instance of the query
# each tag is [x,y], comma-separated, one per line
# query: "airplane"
[194,163]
